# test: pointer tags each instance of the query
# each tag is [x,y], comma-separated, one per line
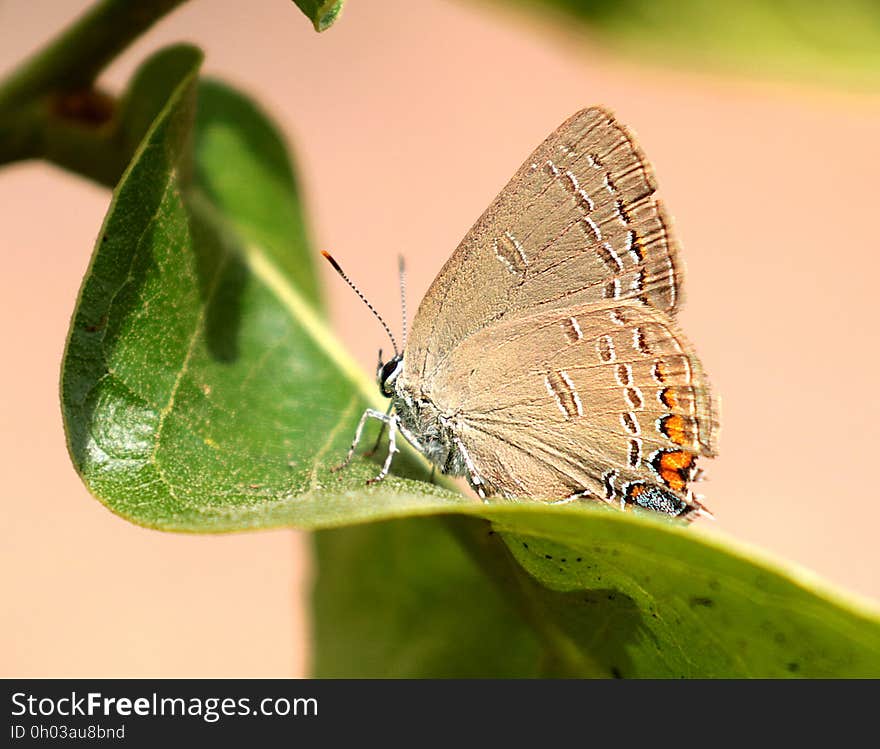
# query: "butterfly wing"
[577,223]
[607,399]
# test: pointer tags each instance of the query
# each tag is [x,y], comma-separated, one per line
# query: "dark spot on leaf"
[615,672]
[794,667]
[611,596]
[548,556]
[525,545]
[563,560]
[579,559]
[701,601]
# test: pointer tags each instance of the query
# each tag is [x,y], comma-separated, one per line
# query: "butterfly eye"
[388,374]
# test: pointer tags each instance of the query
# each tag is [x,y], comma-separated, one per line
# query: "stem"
[95,153]
[79,53]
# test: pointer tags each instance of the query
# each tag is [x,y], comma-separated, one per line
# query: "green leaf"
[607,594]
[203,391]
[403,599]
[201,387]
[801,39]
[322,13]
[647,597]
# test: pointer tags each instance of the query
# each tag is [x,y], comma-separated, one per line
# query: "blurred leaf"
[203,391]
[148,93]
[322,13]
[403,599]
[810,40]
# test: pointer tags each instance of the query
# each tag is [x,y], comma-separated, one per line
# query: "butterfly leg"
[392,422]
[475,479]
[370,413]
[375,446]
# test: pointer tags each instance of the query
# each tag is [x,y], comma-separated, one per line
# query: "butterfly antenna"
[401,269]
[357,291]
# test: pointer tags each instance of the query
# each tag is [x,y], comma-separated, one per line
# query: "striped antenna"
[402,273]
[329,258]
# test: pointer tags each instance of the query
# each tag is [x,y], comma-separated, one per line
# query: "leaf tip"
[323,13]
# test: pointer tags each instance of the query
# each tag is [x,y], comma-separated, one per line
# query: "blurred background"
[406,119]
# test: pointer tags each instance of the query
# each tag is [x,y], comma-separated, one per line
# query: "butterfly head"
[388,372]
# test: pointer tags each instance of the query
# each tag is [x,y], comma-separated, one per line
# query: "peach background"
[407,118]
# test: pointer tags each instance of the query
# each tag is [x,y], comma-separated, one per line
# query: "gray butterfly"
[544,361]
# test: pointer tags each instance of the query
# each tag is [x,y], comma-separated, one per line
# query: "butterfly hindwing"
[591,398]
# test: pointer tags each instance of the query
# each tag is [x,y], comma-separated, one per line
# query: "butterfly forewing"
[577,223]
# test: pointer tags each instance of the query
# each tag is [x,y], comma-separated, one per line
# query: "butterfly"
[545,362]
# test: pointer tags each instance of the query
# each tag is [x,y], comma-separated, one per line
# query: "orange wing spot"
[674,468]
[676,428]
[635,490]
[632,491]
[668,398]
